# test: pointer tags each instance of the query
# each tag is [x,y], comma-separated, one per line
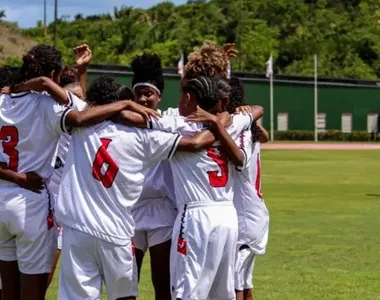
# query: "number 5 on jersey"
[102,157]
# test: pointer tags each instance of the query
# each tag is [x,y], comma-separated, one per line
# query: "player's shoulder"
[75,102]
[171,112]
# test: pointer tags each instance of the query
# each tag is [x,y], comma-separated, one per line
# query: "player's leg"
[248,282]
[159,242]
[80,275]
[141,245]
[10,277]
[118,265]
[244,264]
[57,255]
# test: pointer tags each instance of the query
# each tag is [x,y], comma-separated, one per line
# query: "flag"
[269,71]
[180,66]
[228,70]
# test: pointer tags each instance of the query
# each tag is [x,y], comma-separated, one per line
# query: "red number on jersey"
[102,157]
[218,178]
[258,177]
[9,135]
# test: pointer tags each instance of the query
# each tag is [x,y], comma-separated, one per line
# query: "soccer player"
[155,211]
[205,230]
[103,178]
[253,216]
[30,126]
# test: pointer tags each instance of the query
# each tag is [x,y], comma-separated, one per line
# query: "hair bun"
[147,66]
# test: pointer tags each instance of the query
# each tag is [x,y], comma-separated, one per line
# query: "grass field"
[325,222]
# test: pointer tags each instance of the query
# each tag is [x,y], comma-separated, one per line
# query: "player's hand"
[146,112]
[225,118]
[230,51]
[83,55]
[245,109]
[31,181]
[201,116]
[6,90]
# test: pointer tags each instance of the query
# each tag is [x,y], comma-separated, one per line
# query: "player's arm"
[41,84]
[232,151]
[264,135]
[83,56]
[30,180]
[257,111]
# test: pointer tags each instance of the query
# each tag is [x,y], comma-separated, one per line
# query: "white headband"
[146,84]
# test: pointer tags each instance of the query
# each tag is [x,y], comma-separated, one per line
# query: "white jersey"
[30,127]
[104,175]
[252,212]
[203,176]
[158,182]
[63,148]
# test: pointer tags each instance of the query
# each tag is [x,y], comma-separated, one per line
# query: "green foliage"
[330,135]
[344,34]
[13,61]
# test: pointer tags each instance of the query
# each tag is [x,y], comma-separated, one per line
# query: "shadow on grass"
[373,195]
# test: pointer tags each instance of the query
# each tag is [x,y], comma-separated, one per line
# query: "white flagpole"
[269,73]
[271,108]
[315,98]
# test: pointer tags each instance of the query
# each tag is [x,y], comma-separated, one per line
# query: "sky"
[27,12]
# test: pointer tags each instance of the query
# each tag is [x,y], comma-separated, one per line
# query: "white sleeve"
[75,102]
[174,124]
[171,112]
[240,123]
[245,144]
[159,145]
[54,113]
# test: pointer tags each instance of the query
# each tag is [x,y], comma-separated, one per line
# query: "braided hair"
[236,94]
[6,76]
[41,60]
[236,100]
[147,69]
[205,90]
[208,60]
[103,90]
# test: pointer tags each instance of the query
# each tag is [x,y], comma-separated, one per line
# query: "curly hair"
[41,60]
[103,90]
[236,94]
[125,93]
[208,60]
[69,75]
[6,76]
[205,89]
[147,68]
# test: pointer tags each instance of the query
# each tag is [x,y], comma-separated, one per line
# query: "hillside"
[13,43]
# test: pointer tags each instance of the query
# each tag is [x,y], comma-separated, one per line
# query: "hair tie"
[148,85]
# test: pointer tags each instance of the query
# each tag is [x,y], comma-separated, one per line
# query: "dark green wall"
[295,99]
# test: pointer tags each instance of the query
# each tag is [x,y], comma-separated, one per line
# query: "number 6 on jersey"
[102,157]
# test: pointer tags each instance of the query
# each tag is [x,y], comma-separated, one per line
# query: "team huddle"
[99,175]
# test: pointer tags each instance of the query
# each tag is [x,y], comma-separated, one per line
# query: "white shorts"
[153,214]
[87,260]
[27,231]
[143,240]
[203,252]
[245,262]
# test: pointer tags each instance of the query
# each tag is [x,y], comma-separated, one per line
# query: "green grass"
[324,233]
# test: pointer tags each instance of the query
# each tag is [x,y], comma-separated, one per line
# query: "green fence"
[292,96]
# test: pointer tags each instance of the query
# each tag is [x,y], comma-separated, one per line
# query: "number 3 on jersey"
[218,178]
[102,157]
[9,136]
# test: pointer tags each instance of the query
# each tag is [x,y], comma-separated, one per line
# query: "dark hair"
[205,90]
[103,90]
[6,76]
[224,87]
[236,94]
[41,60]
[68,76]
[147,68]
[125,93]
